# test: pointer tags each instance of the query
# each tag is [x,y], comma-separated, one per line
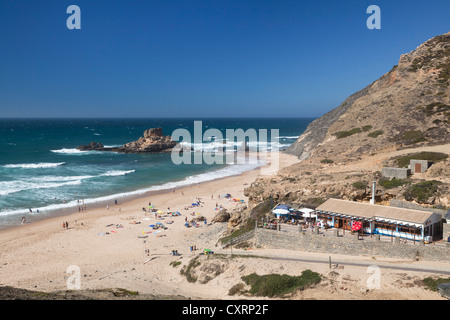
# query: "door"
[417,168]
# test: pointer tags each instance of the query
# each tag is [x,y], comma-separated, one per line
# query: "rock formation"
[152,141]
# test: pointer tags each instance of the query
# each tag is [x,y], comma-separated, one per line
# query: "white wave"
[8,187]
[74,151]
[113,146]
[34,165]
[288,137]
[114,173]
[47,182]
[43,179]
[69,151]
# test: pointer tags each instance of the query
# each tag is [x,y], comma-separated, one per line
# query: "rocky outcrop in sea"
[152,141]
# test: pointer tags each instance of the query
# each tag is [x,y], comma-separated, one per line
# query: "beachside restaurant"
[373,219]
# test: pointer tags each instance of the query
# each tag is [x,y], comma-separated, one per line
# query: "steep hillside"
[409,105]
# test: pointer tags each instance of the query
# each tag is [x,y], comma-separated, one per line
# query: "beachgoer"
[64,225]
[107,207]
[67,225]
[24,219]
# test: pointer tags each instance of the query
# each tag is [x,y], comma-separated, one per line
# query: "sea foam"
[34,165]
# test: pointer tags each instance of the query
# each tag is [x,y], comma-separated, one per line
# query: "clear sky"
[186,58]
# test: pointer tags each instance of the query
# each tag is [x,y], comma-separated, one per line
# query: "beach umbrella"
[283,206]
[356,225]
[280,211]
[309,215]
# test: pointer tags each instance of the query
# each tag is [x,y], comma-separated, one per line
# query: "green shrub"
[394,183]
[326,161]
[421,191]
[344,134]
[432,283]
[175,263]
[375,133]
[366,128]
[434,108]
[275,285]
[236,289]
[188,271]
[410,137]
[359,185]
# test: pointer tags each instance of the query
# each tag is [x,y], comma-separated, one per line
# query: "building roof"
[374,211]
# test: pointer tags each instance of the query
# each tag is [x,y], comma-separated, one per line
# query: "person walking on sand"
[64,225]
[67,225]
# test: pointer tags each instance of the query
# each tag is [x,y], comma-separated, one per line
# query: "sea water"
[42,172]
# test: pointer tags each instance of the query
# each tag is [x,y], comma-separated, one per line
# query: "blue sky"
[211,58]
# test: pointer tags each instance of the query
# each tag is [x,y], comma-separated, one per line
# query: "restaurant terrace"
[378,219]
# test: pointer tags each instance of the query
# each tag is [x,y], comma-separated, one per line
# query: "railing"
[241,238]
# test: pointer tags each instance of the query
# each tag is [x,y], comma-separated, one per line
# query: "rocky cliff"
[409,105]
[153,140]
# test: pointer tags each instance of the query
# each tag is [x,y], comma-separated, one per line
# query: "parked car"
[444,290]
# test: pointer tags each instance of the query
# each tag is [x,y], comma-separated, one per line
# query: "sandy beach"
[117,248]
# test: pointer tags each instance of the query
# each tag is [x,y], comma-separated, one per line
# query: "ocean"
[43,174]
